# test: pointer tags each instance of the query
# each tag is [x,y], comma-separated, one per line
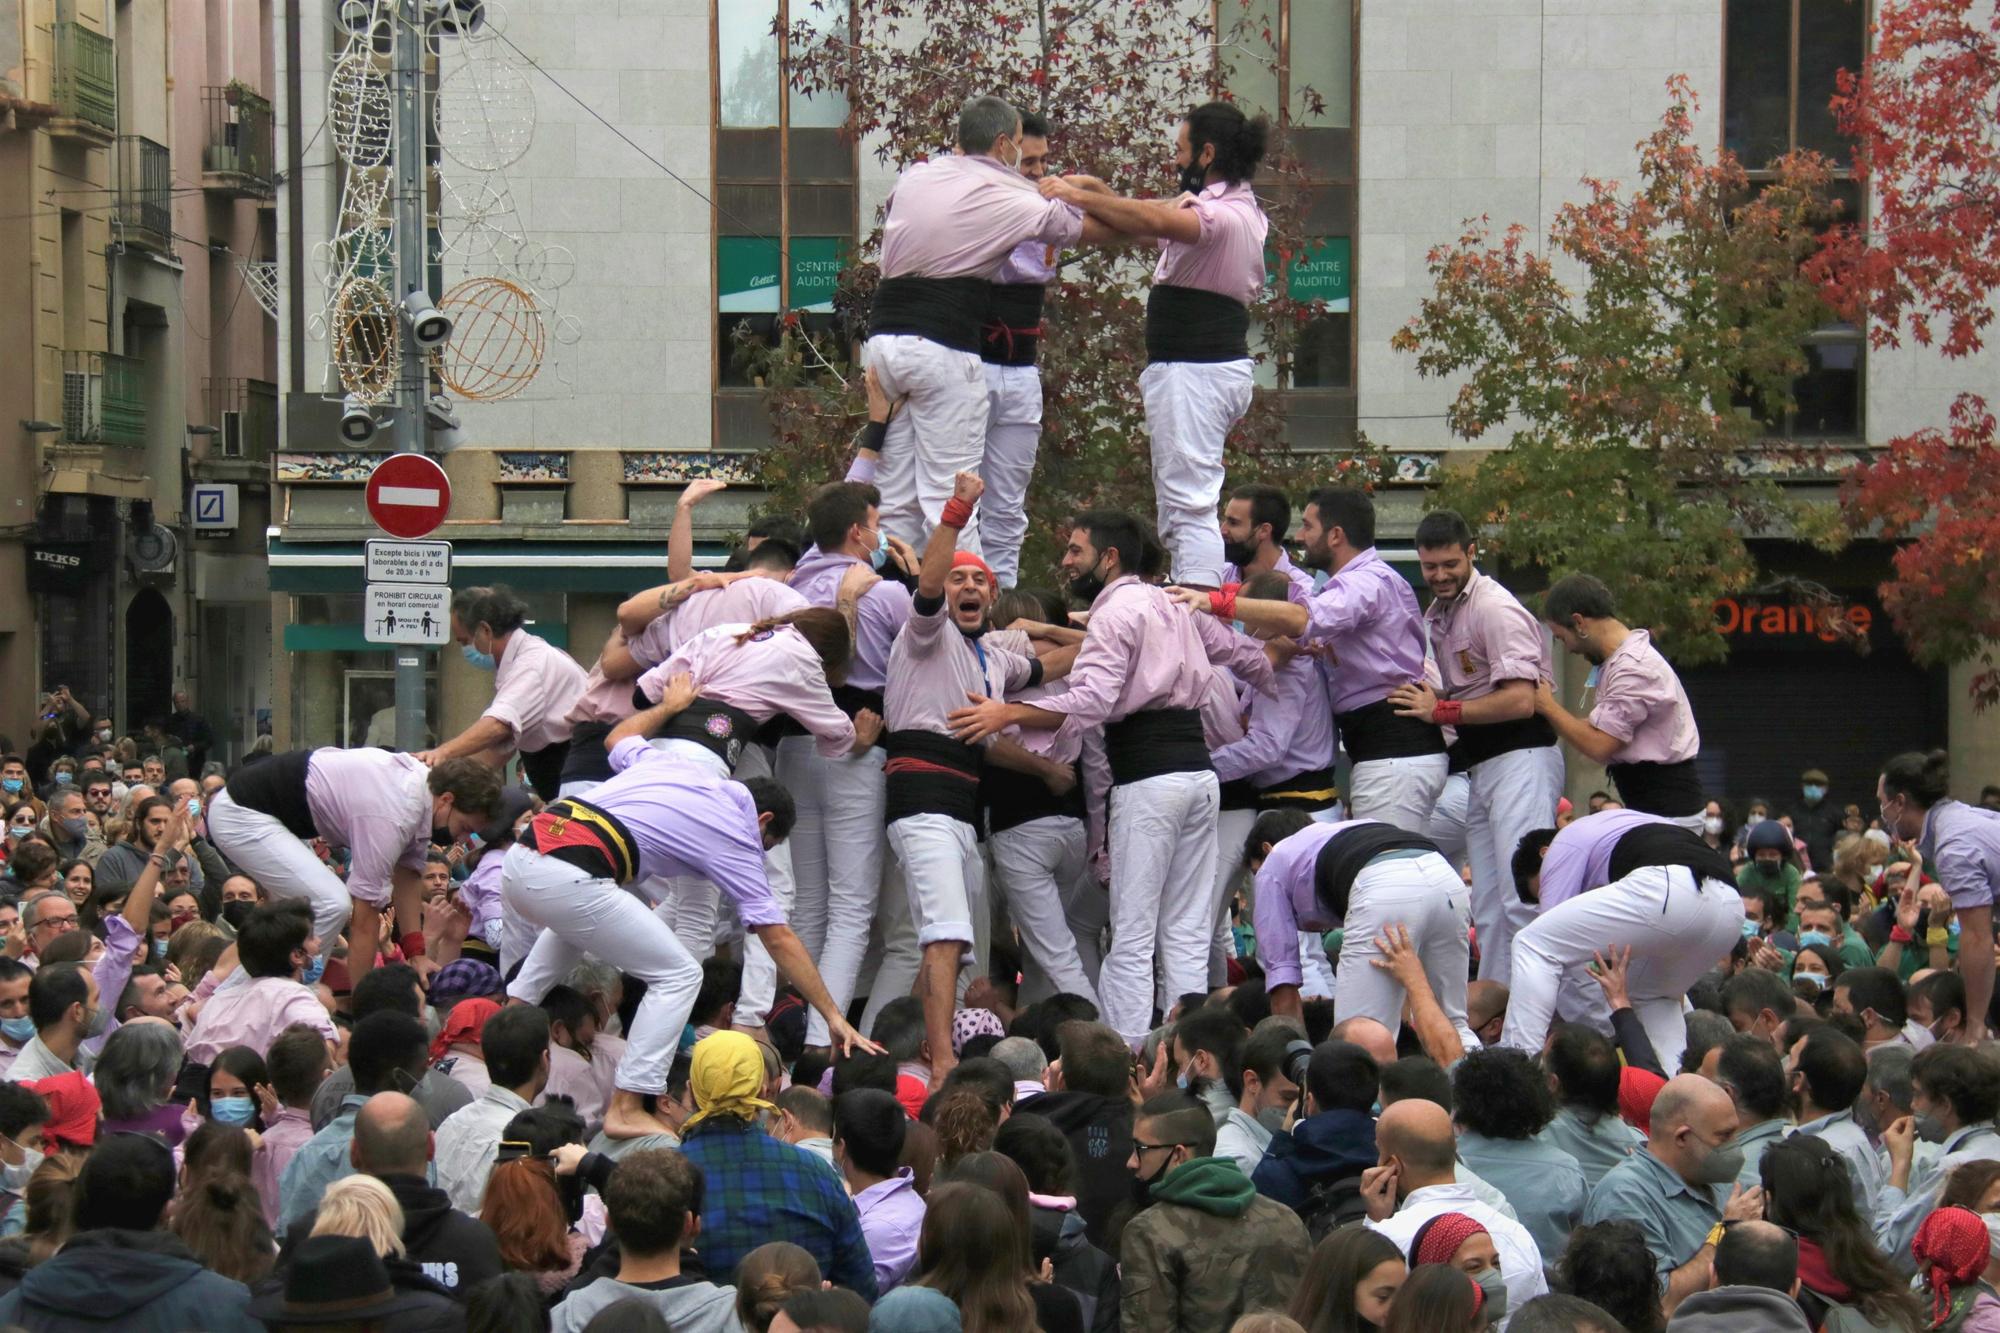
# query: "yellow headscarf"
[725,1077]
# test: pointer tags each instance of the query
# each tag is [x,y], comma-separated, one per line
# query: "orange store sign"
[1772,620]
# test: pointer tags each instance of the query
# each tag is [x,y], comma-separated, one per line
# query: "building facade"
[1428,112]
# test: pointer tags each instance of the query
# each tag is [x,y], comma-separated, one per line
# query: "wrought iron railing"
[144,205]
[238,148]
[103,399]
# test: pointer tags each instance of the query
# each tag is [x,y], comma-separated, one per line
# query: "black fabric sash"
[930,774]
[1373,731]
[1156,741]
[1013,324]
[1670,790]
[1012,799]
[851,700]
[1669,845]
[1239,794]
[277,787]
[1347,853]
[945,310]
[721,729]
[587,760]
[588,837]
[1314,790]
[1482,741]
[543,768]
[1189,324]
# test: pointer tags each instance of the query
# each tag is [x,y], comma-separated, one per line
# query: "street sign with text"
[412,613]
[408,562]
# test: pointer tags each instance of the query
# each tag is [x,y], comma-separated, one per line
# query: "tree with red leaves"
[1927,263]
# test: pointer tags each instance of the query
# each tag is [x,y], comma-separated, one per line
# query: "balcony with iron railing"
[236,159]
[85,81]
[104,399]
[143,207]
[245,414]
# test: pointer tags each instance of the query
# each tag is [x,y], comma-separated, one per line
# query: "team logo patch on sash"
[719,726]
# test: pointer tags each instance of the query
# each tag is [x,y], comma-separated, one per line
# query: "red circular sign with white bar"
[408,495]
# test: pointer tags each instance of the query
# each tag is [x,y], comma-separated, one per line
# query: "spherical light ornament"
[485,115]
[569,330]
[497,342]
[367,337]
[360,112]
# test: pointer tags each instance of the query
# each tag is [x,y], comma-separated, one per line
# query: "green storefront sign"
[1323,272]
[746,273]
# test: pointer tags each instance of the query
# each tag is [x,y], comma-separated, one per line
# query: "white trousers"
[1675,928]
[580,915]
[1191,406]
[1040,868]
[760,974]
[1511,795]
[1013,432]
[894,960]
[1426,896]
[264,849]
[1163,846]
[939,433]
[1402,791]
[1232,827]
[943,873]
[1450,821]
[838,849]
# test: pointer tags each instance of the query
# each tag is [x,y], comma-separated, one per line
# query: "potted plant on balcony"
[232,92]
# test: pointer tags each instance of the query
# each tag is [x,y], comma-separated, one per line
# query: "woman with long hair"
[1057,1309]
[1437,1298]
[1057,1229]
[135,1076]
[217,1213]
[1350,1282]
[957,1257]
[532,1217]
[769,1276]
[965,1124]
[79,882]
[51,1198]
[1807,1189]
[229,1093]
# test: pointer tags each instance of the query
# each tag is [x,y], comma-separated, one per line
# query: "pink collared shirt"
[933,666]
[280,1142]
[1641,703]
[744,602]
[378,806]
[534,688]
[1484,638]
[1367,617]
[1228,259]
[571,1076]
[961,215]
[1301,579]
[776,672]
[254,1012]
[1031,263]
[1142,651]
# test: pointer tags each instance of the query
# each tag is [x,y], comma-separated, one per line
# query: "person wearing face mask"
[266,992]
[1963,843]
[17,1029]
[1265,1094]
[1954,1096]
[231,1093]
[535,685]
[1142,675]
[386,809]
[1754,1077]
[1197,382]
[1641,726]
[1773,868]
[1816,820]
[67,827]
[1680,1186]
[1462,1243]
[1814,968]
[1415,1181]
[14,784]
[950,226]
[22,1115]
[1937,1005]
[1205,1247]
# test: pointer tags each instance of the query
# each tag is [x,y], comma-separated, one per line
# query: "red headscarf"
[467,1023]
[1951,1246]
[1437,1240]
[1637,1089]
[73,1107]
[966,559]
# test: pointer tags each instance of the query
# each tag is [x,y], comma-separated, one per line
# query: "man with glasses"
[99,794]
[44,917]
[1203,1217]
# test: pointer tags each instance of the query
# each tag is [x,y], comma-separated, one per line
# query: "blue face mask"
[194,807]
[231,1110]
[1814,937]
[159,948]
[65,777]
[1812,791]
[10,785]
[315,966]
[879,557]
[484,661]
[17,1029]
[1749,929]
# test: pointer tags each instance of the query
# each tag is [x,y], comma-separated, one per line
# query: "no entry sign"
[408,495]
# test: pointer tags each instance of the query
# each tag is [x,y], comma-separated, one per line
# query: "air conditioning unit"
[232,435]
[83,404]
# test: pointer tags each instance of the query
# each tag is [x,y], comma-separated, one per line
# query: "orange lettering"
[1774,620]
[1728,616]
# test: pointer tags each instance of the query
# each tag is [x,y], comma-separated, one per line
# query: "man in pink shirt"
[535,685]
[263,995]
[1199,372]
[1142,675]
[1642,727]
[949,226]
[1491,654]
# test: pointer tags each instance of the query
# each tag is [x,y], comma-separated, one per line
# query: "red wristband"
[412,942]
[1447,712]
[1897,935]
[957,513]
[1222,601]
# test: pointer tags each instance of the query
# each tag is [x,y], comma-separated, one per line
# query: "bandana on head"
[726,1077]
[967,560]
[1437,1240]
[969,1023]
[73,1107]
[1637,1090]
[465,977]
[466,1025]
[1951,1246]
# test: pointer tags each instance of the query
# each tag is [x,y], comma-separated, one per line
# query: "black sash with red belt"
[588,837]
[1013,328]
[930,774]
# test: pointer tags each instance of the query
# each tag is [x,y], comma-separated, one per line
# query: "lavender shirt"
[1289,732]
[534,688]
[1963,842]
[1484,638]
[1029,263]
[1580,857]
[961,216]
[879,616]
[892,1218]
[479,893]
[776,672]
[1640,702]
[743,602]
[1228,259]
[933,667]
[378,806]
[1367,616]
[690,825]
[1142,651]
[1301,578]
[1288,900]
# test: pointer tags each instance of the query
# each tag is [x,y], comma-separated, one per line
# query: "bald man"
[1370,1036]
[1679,1186]
[1485,1010]
[1415,1179]
[393,1143]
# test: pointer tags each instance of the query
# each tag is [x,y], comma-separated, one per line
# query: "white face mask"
[1712,825]
[14,1176]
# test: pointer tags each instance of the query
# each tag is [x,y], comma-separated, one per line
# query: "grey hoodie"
[691,1307]
[1730,1309]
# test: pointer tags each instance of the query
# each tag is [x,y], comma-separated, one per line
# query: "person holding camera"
[1266,1083]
